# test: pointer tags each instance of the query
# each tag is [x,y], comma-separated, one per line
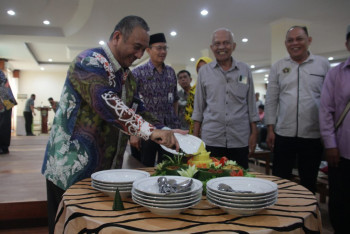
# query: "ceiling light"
[11,12]
[42,68]
[334,64]
[192,59]
[252,66]
[173,33]
[266,75]
[330,58]
[46,22]
[50,60]
[245,40]
[101,42]
[265,79]
[204,12]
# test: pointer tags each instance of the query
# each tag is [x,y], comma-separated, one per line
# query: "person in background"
[28,114]
[97,113]
[224,103]
[291,109]
[335,97]
[190,100]
[261,113]
[54,105]
[7,101]
[258,102]
[157,86]
[184,79]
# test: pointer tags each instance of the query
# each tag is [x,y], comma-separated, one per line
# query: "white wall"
[44,85]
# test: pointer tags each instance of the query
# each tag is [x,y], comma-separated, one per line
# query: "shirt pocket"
[315,82]
[239,91]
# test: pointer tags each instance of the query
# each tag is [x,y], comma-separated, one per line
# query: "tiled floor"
[21,179]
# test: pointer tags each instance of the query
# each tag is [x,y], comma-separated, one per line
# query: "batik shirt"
[95,114]
[7,100]
[158,91]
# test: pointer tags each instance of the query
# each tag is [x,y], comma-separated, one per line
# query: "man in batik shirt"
[157,86]
[95,115]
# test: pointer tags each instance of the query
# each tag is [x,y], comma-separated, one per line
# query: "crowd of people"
[104,105]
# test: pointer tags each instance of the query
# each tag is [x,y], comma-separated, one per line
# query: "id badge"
[170,98]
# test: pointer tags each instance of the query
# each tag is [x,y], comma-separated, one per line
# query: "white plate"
[119,176]
[149,186]
[255,185]
[188,144]
[123,194]
[236,211]
[239,200]
[166,211]
[166,199]
[112,184]
[162,205]
[240,205]
[242,198]
[111,189]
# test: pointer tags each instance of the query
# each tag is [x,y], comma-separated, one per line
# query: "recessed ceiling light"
[101,42]
[42,68]
[252,66]
[204,12]
[50,60]
[192,59]
[245,40]
[330,58]
[173,33]
[46,22]
[266,75]
[11,12]
[265,79]
[266,82]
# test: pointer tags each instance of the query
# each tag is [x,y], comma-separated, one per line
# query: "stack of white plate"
[146,193]
[109,180]
[251,195]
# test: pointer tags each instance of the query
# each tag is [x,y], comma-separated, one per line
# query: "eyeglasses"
[160,48]
[225,43]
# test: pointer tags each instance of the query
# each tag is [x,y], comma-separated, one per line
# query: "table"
[263,154]
[86,210]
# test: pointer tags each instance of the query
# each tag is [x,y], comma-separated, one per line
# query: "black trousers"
[307,153]
[54,197]
[339,192]
[28,117]
[240,155]
[148,153]
[5,130]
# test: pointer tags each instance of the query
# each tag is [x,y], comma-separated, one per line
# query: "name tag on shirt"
[243,79]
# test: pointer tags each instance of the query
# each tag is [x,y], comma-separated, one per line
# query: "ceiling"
[80,24]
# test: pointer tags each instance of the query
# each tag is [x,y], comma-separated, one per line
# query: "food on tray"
[201,158]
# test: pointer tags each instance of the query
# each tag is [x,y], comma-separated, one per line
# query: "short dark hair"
[304,28]
[183,71]
[127,25]
[33,95]
[50,99]
[347,36]
[261,107]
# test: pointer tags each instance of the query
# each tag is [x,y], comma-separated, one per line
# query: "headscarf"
[7,100]
[205,59]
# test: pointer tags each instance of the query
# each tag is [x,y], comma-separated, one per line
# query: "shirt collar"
[116,66]
[346,63]
[215,64]
[152,67]
[310,58]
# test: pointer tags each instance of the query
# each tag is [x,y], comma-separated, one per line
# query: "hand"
[252,142]
[166,138]
[332,156]
[270,138]
[135,142]
[183,132]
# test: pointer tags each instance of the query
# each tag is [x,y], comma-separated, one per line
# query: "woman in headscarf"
[189,107]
